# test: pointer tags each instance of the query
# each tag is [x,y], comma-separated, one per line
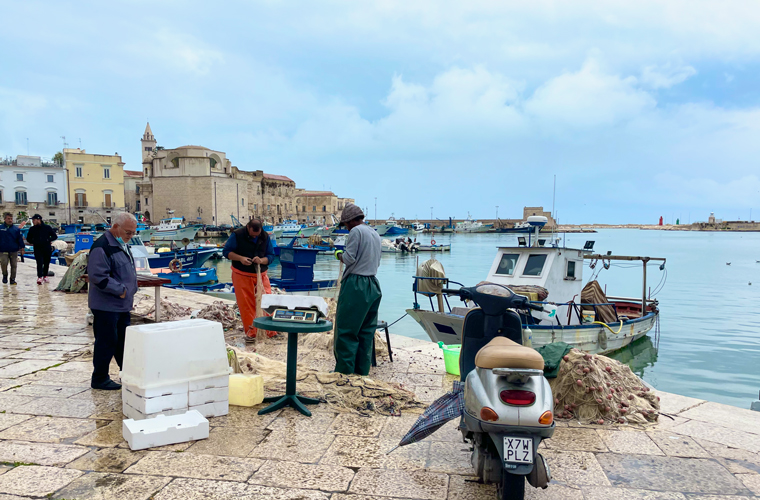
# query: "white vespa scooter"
[508,402]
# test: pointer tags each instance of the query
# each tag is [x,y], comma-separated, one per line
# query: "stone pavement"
[61,440]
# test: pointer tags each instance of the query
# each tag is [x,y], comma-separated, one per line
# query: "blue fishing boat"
[193,276]
[189,258]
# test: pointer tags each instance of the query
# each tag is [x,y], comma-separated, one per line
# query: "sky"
[641,109]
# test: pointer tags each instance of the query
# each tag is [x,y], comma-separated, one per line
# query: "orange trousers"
[245,294]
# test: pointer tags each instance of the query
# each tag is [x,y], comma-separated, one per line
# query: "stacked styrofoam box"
[173,367]
[163,430]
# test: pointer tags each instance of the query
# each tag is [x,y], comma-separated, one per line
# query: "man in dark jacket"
[113,284]
[40,236]
[11,242]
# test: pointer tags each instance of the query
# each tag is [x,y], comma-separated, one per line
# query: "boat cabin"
[557,269]
[169,224]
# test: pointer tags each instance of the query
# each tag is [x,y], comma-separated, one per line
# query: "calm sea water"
[709,345]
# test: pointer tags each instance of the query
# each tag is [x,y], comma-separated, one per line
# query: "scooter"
[508,402]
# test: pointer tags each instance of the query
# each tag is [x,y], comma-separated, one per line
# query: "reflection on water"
[637,355]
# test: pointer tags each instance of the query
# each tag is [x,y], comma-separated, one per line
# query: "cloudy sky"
[640,109]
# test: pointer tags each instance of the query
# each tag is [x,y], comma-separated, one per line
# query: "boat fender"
[175,265]
[432,242]
[603,338]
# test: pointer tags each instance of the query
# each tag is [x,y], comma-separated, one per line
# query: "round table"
[291,397]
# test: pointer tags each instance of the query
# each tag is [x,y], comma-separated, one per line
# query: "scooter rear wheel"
[512,487]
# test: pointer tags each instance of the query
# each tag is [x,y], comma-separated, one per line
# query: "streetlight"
[497,212]
[431,213]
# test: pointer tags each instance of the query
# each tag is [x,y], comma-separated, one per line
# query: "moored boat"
[191,276]
[172,229]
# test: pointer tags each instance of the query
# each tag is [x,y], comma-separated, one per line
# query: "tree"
[58,158]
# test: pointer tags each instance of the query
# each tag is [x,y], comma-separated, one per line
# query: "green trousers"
[355,324]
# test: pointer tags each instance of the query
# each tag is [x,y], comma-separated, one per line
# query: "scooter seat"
[504,353]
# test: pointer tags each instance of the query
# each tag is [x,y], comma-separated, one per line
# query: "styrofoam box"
[213,409]
[164,430]
[136,414]
[208,396]
[196,346]
[154,392]
[154,405]
[209,383]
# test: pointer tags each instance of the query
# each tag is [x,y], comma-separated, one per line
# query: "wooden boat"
[191,276]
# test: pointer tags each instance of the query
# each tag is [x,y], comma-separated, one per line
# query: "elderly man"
[11,242]
[247,248]
[113,283]
[40,236]
[359,299]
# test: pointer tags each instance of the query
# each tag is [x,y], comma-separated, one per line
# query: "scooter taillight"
[517,398]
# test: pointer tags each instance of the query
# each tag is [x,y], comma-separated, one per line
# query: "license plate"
[518,450]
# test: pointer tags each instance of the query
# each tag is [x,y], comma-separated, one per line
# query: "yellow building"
[95,185]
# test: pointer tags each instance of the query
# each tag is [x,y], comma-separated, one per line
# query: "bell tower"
[148,143]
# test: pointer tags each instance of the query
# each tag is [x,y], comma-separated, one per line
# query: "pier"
[60,439]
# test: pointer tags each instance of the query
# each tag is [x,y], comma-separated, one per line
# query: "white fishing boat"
[288,228]
[171,229]
[583,317]
[470,226]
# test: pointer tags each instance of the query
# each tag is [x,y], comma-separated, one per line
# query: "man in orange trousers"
[247,248]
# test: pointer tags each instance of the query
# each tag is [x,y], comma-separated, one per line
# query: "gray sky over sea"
[641,109]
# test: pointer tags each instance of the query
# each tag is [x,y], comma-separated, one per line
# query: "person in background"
[113,284]
[40,236]
[360,294]
[11,243]
[247,247]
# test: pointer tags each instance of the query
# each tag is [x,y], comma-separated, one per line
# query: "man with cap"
[359,298]
[11,242]
[249,248]
[40,236]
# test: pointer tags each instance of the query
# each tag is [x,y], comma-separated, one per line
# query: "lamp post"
[497,212]
[431,214]
[375,209]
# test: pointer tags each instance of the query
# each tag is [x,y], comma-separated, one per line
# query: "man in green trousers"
[359,299]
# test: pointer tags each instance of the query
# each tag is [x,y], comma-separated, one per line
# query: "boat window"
[507,264]
[535,265]
[570,269]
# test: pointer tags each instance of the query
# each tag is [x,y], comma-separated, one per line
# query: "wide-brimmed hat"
[350,212]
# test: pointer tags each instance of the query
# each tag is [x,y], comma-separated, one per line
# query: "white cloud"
[666,76]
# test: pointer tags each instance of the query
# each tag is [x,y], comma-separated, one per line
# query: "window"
[50,178]
[255,206]
[507,264]
[148,148]
[137,189]
[175,163]
[314,208]
[52,198]
[79,171]
[570,270]
[20,197]
[52,214]
[80,199]
[535,265]
[269,207]
[107,199]
[324,208]
[304,208]
[146,201]
[242,202]
[106,173]
[137,205]
[19,177]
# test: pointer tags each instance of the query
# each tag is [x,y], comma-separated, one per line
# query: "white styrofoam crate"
[208,396]
[210,383]
[164,430]
[154,405]
[213,409]
[136,414]
[154,392]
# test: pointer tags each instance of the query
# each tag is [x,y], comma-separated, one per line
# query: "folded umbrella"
[447,407]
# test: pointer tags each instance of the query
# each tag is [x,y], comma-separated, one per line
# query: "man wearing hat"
[11,243]
[249,248]
[40,236]
[359,299]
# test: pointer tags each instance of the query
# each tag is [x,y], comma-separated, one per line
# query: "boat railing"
[577,307]
[430,295]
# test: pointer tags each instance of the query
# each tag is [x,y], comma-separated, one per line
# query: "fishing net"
[170,311]
[597,389]
[224,313]
[73,280]
[344,393]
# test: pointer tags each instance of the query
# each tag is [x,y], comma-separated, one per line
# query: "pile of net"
[226,313]
[596,389]
[344,393]
[170,311]
[73,281]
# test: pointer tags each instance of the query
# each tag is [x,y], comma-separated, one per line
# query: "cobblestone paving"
[59,439]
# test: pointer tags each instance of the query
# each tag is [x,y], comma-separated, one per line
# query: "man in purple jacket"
[113,283]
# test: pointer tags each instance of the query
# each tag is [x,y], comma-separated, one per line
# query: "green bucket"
[451,357]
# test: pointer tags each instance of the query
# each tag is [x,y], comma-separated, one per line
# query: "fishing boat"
[171,229]
[416,227]
[390,228]
[187,257]
[519,227]
[433,247]
[192,276]
[584,317]
[400,245]
[470,226]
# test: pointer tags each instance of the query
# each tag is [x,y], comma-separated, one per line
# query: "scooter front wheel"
[512,487]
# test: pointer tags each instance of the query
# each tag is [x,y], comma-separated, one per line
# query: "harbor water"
[709,342]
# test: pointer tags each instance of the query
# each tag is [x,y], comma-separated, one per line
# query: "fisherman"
[11,243]
[40,236]
[359,298]
[249,247]
[113,283]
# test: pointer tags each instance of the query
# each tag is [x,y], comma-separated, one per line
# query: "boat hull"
[196,276]
[169,235]
[596,339]
[188,258]
[434,248]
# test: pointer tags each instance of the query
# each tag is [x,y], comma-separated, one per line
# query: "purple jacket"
[111,272]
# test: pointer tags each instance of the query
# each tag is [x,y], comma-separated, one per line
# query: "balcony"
[80,204]
[109,206]
[21,203]
[49,204]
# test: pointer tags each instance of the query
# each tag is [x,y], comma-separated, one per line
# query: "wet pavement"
[60,439]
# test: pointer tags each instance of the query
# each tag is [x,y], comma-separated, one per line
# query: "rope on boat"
[608,326]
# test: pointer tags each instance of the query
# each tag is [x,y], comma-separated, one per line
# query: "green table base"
[291,397]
